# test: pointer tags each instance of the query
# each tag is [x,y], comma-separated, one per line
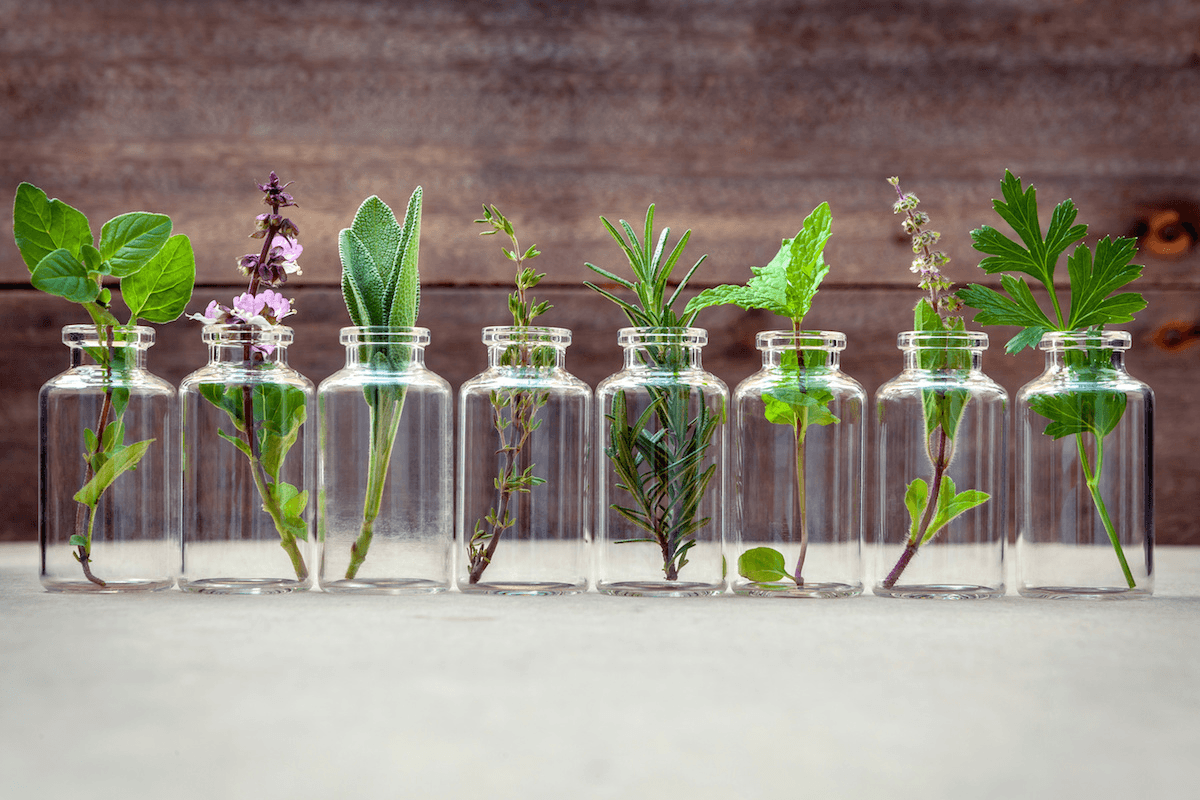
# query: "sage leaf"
[129,241]
[63,275]
[160,291]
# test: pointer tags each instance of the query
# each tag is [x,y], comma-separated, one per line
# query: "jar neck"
[247,344]
[123,348]
[940,351]
[385,347]
[514,346]
[1089,350]
[807,349]
[662,349]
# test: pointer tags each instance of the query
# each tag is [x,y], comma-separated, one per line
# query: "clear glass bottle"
[246,499]
[797,480]
[942,458]
[1085,500]
[523,468]
[385,464]
[107,512]
[660,491]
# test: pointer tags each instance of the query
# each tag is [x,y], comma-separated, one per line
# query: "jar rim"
[694,337]
[966,340]
[242,333]
[833,341]
[85,335]
[383,334]
[1083,340]
[525,334]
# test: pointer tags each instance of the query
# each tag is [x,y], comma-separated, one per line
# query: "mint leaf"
[129,241]
[121,461]
[789,405]
[1092,282]
[763,564]
[63,275]
[915,497]
[41,226]
[951,504]
[787,285]
[160,291]
[944,409]
[1094,412]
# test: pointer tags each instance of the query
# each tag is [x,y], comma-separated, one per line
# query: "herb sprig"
[787,286]
[658,456]
[155,272]
[514,412]
[382,288]
[1094,276]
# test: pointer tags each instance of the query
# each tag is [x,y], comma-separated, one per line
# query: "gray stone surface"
[452,696]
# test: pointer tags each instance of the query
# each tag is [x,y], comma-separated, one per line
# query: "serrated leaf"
[763,565]
[789,405]
[1096,412]
[42,225]
[160,291]
[126,459]
[129,241]
[1092,282]
[63,275]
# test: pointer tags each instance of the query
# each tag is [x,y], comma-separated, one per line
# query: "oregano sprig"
[155,272]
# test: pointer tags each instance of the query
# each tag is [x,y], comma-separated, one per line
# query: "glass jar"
[247,495]
[107,502]
[1085,501]
[942,456]
[660,499]
[523,468]
[385,467]
[798,471]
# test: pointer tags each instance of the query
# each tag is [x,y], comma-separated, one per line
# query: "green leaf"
[363,286]
[944,409]
[91,258]
[1039,255]
[227,398]
[237,442]
[926,318]
[160,291]
[62,275]
[1091,283]
[787,285]
[404,281]
[41,226]
[762,565]
[915,497]
[129,241]
[78,540]
[789,405]
[1094,412]
[951,504]
[126,459]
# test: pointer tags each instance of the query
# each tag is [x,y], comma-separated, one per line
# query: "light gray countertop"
[312,695]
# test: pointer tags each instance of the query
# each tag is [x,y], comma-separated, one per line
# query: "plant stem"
[84,554]
[1093,482]
[385,423]
[800,431]
[940,462]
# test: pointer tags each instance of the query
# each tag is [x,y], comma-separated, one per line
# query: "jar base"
[940,591]
[523,588]
[385,586]
[243,585]
[808,590]
[659,588]
[109,587]
[1084,592]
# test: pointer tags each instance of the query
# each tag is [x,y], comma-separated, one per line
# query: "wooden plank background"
[735,116]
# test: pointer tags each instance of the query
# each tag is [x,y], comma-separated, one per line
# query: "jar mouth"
[242,334]
[504,335]
[383,334]
[941,340]
[1085,340]
[85,335]
[637,337]
[832,341]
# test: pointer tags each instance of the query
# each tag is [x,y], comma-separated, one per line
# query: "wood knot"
[1168,231]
